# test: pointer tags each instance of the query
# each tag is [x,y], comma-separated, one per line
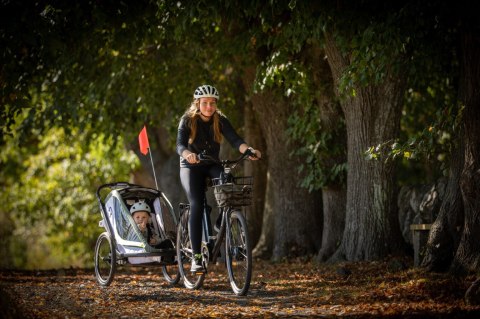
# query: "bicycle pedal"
[212,237]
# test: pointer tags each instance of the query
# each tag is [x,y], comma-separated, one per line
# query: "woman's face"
[208,106]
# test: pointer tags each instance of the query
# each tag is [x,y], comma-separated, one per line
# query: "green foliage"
[93,60]
[432,145]
[378,46]
[51,197]
[431,114]
[281,71]
[288,31]
[322,148]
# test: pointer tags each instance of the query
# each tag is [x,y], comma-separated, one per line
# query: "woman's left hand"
[258,155]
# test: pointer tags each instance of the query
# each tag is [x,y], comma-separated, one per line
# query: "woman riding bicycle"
[200,131]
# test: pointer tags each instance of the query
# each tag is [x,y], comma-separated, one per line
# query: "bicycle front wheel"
[185,256]
[238,253]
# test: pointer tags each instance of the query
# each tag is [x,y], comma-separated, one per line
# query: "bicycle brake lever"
[249,153]
[202,156]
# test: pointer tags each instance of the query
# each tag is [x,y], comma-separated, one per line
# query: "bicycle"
[231,193]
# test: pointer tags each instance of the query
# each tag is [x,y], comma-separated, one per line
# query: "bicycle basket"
[237,193]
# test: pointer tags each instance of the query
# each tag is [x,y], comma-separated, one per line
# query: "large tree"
[372,116]
[466,256]
[452,243]
[324,145]
[367,64]
[295,212]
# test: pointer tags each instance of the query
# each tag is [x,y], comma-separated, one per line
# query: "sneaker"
[197,265]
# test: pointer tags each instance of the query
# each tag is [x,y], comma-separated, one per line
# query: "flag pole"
[145,148]
[153,168]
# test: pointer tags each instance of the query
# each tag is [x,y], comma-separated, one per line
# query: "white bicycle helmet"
[140,206]
[206,91]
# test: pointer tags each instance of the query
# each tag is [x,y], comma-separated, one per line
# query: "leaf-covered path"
[303,290]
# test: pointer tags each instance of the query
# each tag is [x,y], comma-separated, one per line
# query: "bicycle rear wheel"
[238,253]
[185,255]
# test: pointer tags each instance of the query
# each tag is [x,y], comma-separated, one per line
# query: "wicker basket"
[237,192]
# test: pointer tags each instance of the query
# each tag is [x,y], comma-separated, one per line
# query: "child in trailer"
[140,212]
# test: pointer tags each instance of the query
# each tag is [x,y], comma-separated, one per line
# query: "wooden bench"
[419,239]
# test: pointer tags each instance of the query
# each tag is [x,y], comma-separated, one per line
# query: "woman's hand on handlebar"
[253,154]
[191,157]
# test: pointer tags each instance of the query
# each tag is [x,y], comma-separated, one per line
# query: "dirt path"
[302,290]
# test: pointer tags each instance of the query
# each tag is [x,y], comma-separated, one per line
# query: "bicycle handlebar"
[203,157]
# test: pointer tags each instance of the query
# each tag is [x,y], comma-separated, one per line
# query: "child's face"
[141,218]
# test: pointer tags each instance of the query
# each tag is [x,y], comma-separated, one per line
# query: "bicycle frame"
[213,243]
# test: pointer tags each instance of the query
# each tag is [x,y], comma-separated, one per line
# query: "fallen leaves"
[290,289]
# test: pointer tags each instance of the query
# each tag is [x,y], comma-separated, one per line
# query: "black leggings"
[193,182]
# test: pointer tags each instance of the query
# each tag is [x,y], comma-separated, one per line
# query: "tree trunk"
[262,206]
[334,194]
[472,296]
[334,203]
[446,230]
[373,116]
[467,256]
[7,228]
[264,246]
[258,170]
[296,212]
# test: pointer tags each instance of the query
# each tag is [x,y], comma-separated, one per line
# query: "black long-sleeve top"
[204,139]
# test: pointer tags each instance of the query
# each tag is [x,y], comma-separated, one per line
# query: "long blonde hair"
[193,114]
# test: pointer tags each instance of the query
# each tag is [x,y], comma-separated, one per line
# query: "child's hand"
[154,240]
[142,226]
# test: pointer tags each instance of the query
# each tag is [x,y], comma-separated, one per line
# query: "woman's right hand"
[191,157]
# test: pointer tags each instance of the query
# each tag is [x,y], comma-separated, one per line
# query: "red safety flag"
[143,141]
